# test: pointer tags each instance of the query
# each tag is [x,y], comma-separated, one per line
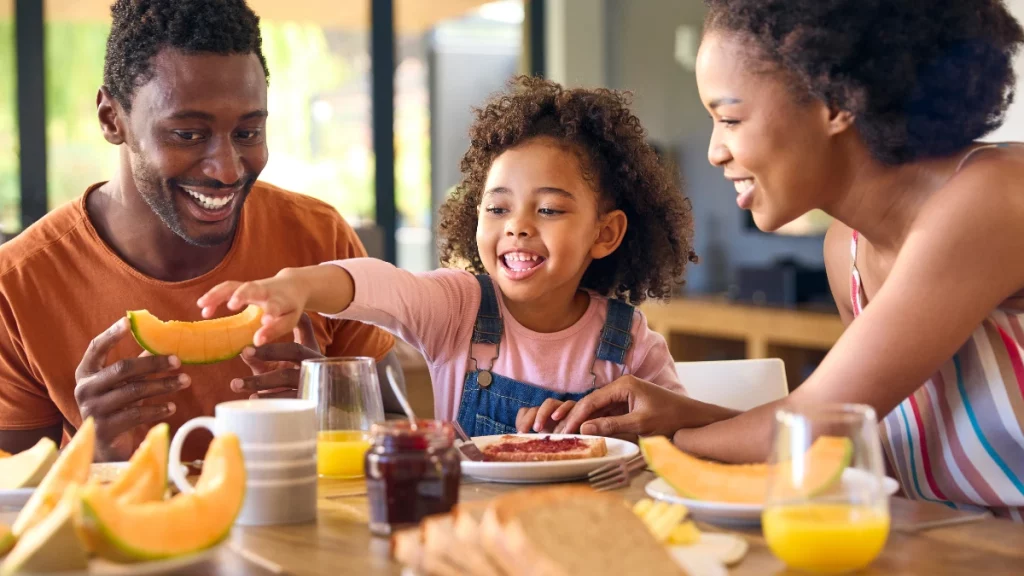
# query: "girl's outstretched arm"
[283,298]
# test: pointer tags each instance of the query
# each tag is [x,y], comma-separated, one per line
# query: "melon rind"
[7,540]
[72,467]
[680,470]
[27,469]
[145,478]
[151,333]
[146,531]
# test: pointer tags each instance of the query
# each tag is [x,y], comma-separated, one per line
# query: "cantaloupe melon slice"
[27,469]
[203,342]
[699,479]
[185,524]
[7,540]
[145,478]
[71,467]
[52,545]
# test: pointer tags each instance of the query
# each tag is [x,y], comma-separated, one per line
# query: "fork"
[468,448]
[617,474]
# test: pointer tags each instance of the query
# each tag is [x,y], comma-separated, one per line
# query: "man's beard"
[159,195]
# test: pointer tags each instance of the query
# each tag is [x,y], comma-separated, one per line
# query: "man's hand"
[112,394]
[275,367]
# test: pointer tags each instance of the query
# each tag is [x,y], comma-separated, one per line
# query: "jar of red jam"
[411,472]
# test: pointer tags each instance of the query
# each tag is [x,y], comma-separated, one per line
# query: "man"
[185,99]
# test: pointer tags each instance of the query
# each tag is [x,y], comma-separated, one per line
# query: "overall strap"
[488,327]
[616,337]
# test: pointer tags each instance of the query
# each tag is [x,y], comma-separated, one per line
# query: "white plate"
[106,471]
[15,498]
[540,472]
[697,564]
[100,567]
[726,513]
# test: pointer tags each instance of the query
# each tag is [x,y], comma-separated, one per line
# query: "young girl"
[563,215]
[871,111]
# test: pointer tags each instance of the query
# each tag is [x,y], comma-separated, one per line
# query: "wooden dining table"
[339,542]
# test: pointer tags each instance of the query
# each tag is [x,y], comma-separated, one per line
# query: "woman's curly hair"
[599,128]
[923,79]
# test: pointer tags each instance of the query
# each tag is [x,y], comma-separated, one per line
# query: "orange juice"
[340,453]
[825,538]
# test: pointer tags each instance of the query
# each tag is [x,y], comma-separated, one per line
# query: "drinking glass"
[826,511]
[346,393]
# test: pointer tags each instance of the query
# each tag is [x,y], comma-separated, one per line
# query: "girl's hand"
[543,418]
[282,298]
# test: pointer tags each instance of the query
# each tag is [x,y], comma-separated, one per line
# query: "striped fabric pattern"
[959,439]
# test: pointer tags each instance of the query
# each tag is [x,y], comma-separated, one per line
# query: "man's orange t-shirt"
[61,286]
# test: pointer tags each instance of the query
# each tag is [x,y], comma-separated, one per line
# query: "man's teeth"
[209,202]
[744,186]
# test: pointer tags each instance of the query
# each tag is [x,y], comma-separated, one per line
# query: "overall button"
[484,379]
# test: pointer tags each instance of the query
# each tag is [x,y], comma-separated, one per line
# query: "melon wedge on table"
[6,540]
[71,467]
[145,478]
[699,479]
[27,469]
[184,524]
[52,545]
[203,342]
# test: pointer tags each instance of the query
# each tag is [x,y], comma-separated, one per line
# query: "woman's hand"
[630,406]
[543,418]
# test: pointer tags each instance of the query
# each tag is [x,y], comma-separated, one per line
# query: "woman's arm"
[960,260]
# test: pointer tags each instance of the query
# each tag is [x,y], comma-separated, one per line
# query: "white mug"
[278,438]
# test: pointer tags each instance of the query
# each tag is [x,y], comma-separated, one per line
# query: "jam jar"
[411,472]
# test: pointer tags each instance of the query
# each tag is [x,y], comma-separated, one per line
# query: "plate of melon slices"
[21,473]
[734,493]
[121,520]
[746,514]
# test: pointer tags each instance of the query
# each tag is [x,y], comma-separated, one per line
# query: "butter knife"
[468,449]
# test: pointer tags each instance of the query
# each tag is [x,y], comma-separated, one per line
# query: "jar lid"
[427,433]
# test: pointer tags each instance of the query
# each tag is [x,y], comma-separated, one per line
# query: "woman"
[870,110]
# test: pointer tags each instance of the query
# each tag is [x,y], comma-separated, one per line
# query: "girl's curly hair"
[599,128]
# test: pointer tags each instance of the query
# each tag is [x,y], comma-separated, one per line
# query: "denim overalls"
[490,401]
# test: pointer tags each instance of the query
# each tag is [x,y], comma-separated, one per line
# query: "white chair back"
[735,384]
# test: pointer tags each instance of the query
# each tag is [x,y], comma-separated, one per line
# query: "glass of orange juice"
[826,510]
[348,401]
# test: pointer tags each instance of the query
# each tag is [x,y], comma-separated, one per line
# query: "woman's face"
[778,150]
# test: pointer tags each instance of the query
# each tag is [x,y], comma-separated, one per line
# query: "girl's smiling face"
[540,222]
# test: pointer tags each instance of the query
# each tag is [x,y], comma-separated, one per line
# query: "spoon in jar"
[401,397]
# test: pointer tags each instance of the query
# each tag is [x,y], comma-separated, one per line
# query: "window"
[77,156]
[10,185]
[319,130]
[450,57]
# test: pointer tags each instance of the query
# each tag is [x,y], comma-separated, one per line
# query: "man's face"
[196,141]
